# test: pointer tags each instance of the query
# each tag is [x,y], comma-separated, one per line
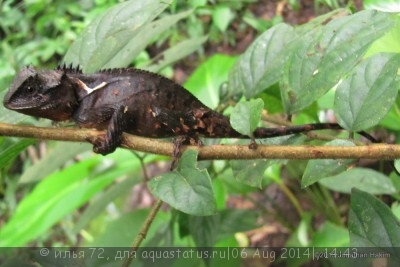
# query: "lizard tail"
[216,125]
[281,131]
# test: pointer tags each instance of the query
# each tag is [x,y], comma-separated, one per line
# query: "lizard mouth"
[15,102]
[48,106]
[19,105]
[27,105]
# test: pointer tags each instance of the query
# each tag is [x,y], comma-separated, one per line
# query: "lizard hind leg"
[183,125]
[178,143]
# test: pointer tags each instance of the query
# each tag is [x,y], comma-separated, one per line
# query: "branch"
[154,146]
[143,232]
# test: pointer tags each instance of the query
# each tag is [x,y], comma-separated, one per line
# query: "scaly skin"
[125,100]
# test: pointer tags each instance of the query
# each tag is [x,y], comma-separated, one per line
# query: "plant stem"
[333,212]
[291,197]
[143,231]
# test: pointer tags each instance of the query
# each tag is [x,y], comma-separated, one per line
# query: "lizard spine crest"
[69,68]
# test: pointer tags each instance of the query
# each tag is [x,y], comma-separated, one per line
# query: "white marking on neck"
[91,90]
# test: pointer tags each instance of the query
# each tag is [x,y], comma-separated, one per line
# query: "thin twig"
[143,232]
[292,198]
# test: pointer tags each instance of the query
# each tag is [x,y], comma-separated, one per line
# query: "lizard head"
[46,94]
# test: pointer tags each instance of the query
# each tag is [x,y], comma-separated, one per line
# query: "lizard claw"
[101,145]
[253,145]
[177,152]
[178,143]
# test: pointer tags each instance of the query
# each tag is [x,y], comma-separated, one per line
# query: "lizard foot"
[177,152]
[101,145]
[179,142]
[253,145]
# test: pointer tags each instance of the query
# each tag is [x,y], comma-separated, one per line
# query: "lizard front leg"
[112,139]
[110,118]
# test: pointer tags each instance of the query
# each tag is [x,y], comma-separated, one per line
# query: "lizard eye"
[30,89]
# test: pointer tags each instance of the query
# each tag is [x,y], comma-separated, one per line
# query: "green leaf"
[273,98]
[208,230]
[261,65]
[397,164]
[364,98]
[176,53]
[392,120]
[389,43]
[371,223]
[222,16]
[9,116]
[331,235]
[232,221]
[321,168]
[220,193]
[368,180]
[320,58]
[206,80]
[396,209]
[383,5]
[99,204]
[258,23]
[10,149]
[246,116]
[322,20]
[121,231]
[250,172]
[140,40]
[187,189]
[52,199]
[233,186]
[300,237]
[52,161]
[204,230]
[7,71]
[109,37]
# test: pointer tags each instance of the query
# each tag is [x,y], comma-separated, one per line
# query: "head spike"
[69,68]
